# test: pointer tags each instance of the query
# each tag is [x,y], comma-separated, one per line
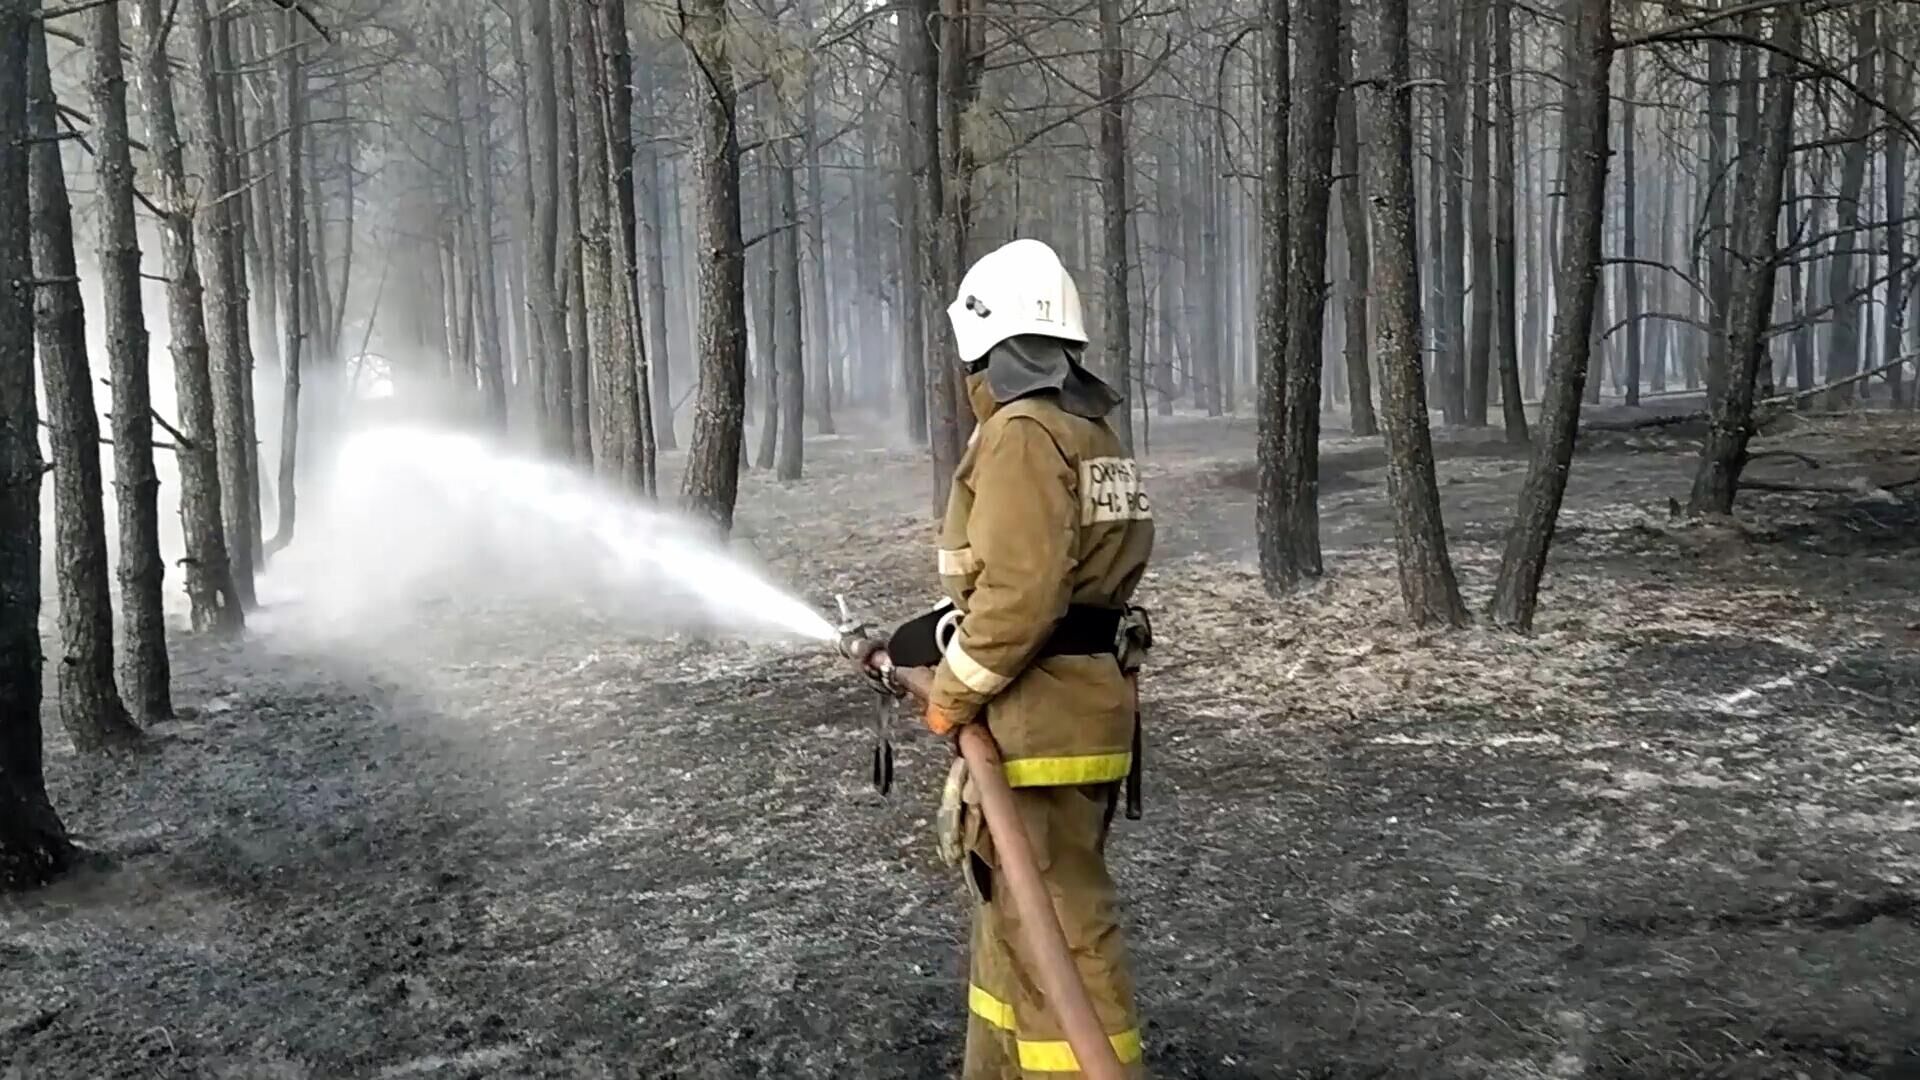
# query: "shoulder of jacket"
[1025,418]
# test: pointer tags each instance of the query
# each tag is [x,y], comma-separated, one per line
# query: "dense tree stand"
[33,845]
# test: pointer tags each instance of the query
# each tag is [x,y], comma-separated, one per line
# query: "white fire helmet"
[1019,288]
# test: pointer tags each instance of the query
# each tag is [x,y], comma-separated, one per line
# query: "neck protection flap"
[1029,364]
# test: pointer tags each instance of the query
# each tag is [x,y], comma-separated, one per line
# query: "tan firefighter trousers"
[1010,1033]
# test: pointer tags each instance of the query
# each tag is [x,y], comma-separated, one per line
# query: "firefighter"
[1047,534]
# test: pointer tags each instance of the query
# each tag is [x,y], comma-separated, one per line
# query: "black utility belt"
[1085,630]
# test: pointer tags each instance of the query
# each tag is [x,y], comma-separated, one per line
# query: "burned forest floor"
[1674,833]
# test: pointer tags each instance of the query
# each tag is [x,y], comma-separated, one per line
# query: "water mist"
[407,516]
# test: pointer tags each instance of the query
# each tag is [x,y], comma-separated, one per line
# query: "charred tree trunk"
[477,152]
[820,381]
[1427,583]
[145,673]
[1584,141]
[1630,229]
[911,291]
[1289,506]
[1452,154]
[713,463]
[242,228]
[543,272]
[1513,407]
[209,579]
[1844,331]
[766,352]
[1362,420]
[938,255]
[1480,333]
[659,365]
[90,706]
[636,404]
[1742,346]
[1899,97]
[293,265]
[1116,339]
[33,844]
[1718,218]
[789,351]
[611,335]
[575,387]
[228,351]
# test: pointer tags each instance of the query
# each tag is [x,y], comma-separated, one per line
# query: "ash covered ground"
[1675,833]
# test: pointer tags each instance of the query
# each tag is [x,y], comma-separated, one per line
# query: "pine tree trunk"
[820,381]
[1513,406]
[543,272]
[1801,283]
[1353,217]
[1719,239]
[938,252]
[713,462]
[1279,505]
[766,350]
[1844,329]
[268,116]
[1661,358]
[293,263]
[244,228]
[636,403]
[575,389]
[790,345]
[90,706]
[1743,344]
[1480,330]
[911,291]
[1630,228]
[228,352]
[1317,99]
[1898,93]
[33,844]
[659,365]
[611,335]
[1116,337]
[1584,141]
[145,673]
[1453,236]
[476,151]
[1427,582]
[209,580]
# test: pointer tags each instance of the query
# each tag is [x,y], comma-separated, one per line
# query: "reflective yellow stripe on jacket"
[1045,1055]
[1063,771]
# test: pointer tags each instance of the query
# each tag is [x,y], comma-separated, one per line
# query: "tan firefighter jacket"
[1047,510]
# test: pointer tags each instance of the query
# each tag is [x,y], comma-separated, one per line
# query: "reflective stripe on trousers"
[1045,1055]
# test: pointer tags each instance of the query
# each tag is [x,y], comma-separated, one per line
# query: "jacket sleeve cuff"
[952,698]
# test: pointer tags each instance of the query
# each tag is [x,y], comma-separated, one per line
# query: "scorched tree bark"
[1742,342]
[1584,139]
[145,675]
[1427,583]
[211,600]
[90,706]
[33,844]
[713,463]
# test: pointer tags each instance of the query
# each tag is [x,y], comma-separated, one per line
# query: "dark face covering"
[1029,364]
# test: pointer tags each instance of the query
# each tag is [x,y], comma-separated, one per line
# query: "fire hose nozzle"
[867,649]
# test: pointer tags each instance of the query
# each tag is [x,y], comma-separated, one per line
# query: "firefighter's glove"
[942,722]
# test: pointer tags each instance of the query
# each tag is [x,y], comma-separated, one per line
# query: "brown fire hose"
[1054,969]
